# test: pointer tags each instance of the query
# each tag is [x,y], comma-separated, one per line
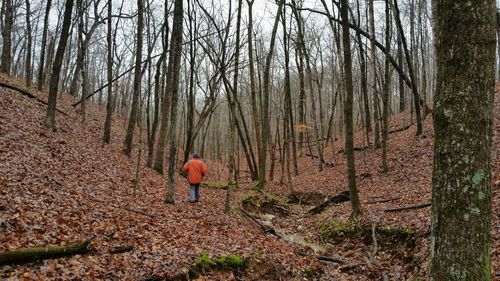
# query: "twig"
[420,206]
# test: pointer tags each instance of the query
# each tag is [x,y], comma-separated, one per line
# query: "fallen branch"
[28,94]
[122,249]
[265,228]
[400,129]
[341,197]
[32,254]
[321,258]
[351,266]
[382,200]
[420,206]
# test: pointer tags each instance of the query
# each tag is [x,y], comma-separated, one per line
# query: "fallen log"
[122,249]
[420,206]
[265,228]
[321,258]
[40,253]
[341,197]
[28,94]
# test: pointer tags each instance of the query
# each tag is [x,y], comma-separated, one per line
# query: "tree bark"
[463,108]
[50,118]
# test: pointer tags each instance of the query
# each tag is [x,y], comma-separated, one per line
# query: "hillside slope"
[63,187]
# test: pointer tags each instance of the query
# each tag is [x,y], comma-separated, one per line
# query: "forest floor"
[62,187]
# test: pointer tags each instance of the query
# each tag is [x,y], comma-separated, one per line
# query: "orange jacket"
[196,170]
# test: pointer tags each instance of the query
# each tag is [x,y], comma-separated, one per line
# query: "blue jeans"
[194,192]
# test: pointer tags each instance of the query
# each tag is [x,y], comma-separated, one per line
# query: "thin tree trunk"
[402,103]
[41,66]
[127,149]
[348,108]
[265,101]
[387,87]
[373,58]
[50,118]
[29,44]
[109,104]
[409,63]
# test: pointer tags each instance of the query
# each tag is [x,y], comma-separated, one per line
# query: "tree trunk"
[373,58]
[256,115]
[409,63]
[50,118]
[402,103]
[165,106]
[41,66]
[265,101]
[173,75]
[348,108]
[109,104]
[288,118]
[6,36]
[387,88]
[29,44]
[463,107]
[137,81]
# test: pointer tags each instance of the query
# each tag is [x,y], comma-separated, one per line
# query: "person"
[195,170]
